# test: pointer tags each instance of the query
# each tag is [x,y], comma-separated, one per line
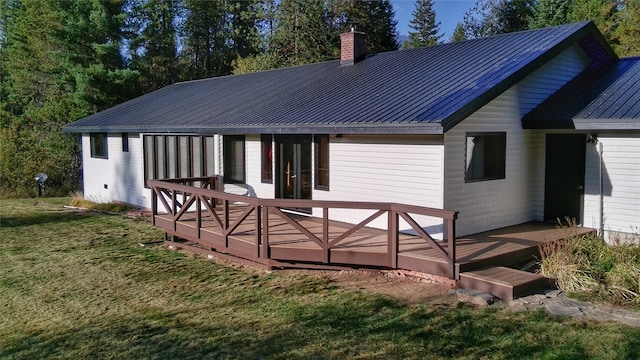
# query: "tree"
[493,17]
[458,33]
[627,34]
[59,61]
[305,32]
[550,13]
[601,12]
[205,36]
[426,29]
[376,19]
[153,46]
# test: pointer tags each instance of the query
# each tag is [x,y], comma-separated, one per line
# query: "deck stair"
[504,282]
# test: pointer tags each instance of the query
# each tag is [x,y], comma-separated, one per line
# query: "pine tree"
[205,53]
[153,46]
[376,19]
[493,17]
[426,29]
[550,13]
[458,34]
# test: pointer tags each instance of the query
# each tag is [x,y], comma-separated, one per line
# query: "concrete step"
[504,282]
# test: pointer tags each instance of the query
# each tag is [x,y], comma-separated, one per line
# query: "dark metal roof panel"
[422,90]
[606,100]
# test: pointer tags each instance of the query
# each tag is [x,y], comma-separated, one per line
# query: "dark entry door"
[293,166]
[564,179]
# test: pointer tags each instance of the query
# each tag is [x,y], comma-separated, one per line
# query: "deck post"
[258,214]
[198,216]
[325,234]
[265,232]
[154,205]
[225,221]
[174,209]
[451,240]
[393,238]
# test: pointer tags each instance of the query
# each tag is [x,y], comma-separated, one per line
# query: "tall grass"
[586,266]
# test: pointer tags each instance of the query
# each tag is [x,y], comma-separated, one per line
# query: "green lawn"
[78,285]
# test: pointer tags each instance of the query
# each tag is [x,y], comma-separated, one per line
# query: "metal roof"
[596,100]
[425,90]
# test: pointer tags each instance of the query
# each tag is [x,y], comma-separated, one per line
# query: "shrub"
[587,266]
[78,200]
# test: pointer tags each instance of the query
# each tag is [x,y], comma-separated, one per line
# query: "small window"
[233,156]
[266,155]
[125,142]
[486,154]
[99,145]
[322,162]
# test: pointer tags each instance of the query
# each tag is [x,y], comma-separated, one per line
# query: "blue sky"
[448,12]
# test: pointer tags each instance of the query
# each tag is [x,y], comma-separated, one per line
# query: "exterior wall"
[519,197]
[620,186]
[399,169]
[255,186]
[117,178]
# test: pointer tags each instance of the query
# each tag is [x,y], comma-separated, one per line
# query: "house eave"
[373,129]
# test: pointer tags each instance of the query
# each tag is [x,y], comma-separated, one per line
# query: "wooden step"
[504,282]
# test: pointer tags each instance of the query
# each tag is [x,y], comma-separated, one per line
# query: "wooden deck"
[263,234]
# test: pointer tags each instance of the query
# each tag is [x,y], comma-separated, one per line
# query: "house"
[536,125]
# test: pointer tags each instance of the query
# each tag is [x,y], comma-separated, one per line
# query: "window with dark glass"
[171,156]
[98,142]
[125,142]
[266,154]
[485,156]
[322,162]
[233,156]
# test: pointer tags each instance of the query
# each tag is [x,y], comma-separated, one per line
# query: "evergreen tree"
[550,13]
[205,53]
[493,17]
[376,19]
[153,46]
[304,32]
[426,29]
[458,34]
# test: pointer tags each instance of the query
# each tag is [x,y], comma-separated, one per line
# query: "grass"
[77,285]
[587,267]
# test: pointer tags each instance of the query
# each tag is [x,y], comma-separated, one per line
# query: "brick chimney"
[353,47]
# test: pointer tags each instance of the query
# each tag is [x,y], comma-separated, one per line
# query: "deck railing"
[202,197]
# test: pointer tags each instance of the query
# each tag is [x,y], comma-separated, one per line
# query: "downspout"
[601,187]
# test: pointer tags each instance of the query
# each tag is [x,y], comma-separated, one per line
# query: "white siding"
[621,184]
[486,205]
[121,173]
[255,186]
[399,169]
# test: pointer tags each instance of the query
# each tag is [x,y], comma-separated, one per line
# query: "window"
[99,145]
[170,156]
[233,155]
[125,142]
[486,154]
[266,155]
[322,162]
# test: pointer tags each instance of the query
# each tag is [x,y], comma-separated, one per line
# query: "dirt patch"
[401,285]
[394,284]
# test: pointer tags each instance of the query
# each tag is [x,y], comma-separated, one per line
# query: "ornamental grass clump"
[587,267]
[78,200]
